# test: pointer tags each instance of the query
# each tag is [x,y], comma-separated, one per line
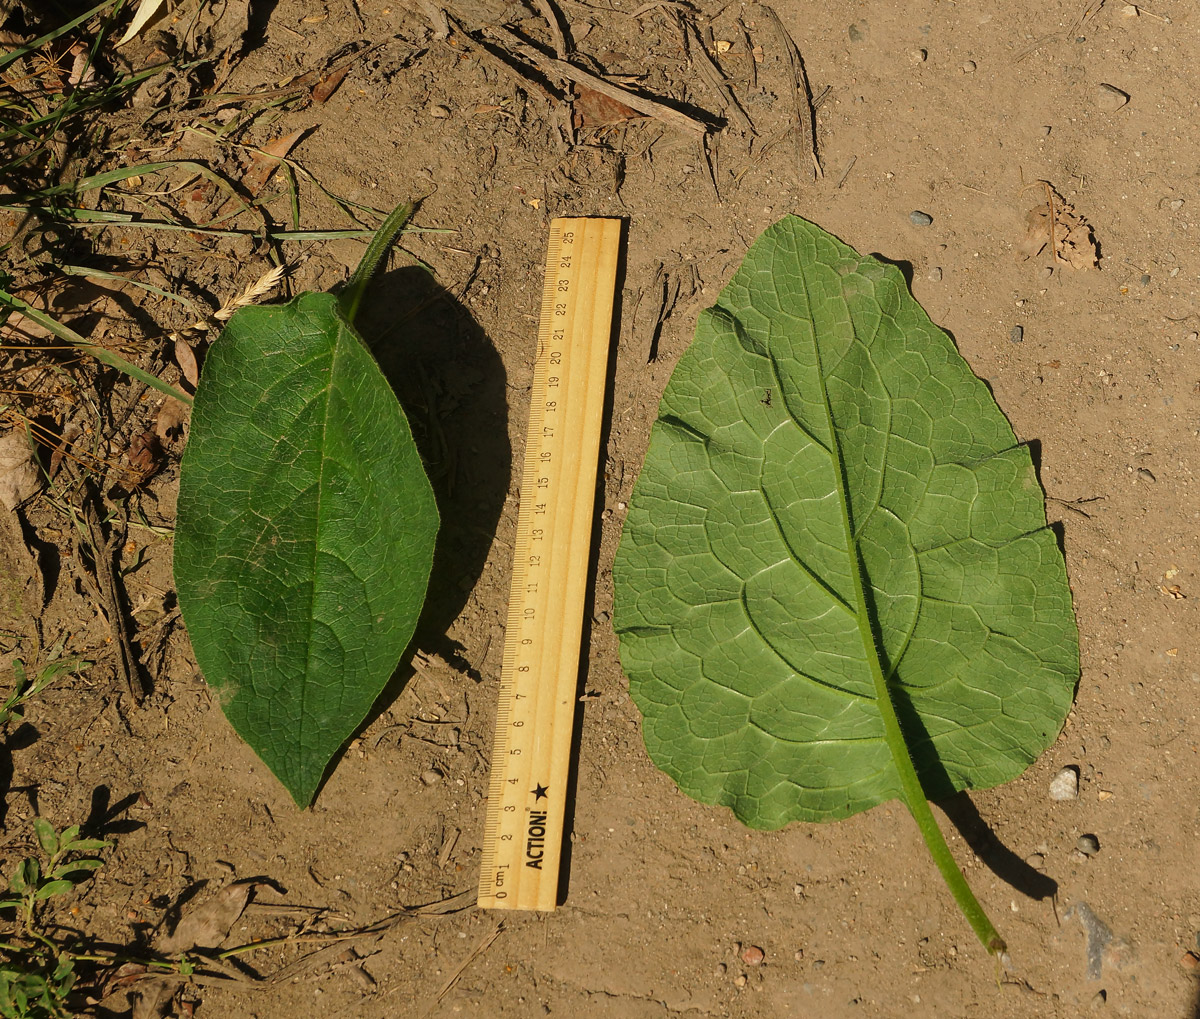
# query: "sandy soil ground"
[956,111]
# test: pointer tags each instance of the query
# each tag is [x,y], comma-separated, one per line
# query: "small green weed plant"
[37,966]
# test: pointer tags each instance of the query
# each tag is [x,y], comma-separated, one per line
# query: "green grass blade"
[102,355]
[40,41]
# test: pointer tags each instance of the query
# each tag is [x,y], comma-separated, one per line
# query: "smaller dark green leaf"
[305,533]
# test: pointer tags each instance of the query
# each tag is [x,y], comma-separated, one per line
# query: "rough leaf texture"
[305,533]
[818,425]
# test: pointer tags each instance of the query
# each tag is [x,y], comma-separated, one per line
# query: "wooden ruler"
[526,808]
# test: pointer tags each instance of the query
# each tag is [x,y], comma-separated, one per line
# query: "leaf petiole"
[988,936]
[376,249]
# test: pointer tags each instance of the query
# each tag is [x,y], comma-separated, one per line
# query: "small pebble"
[918,56]
[1110,98]
[722,969]
[1065,785]
[1145,475]
[1089,845]
[969,66]
[935,273]
[1036,860]
[1017,334]
[1099,998]
[1145,280]
[1046,129]
[1047,272]
[439,112]
[1176,205]
[752,955]
[739,980]
[919,218]
[431,777]
[1192,337]
[1190,961]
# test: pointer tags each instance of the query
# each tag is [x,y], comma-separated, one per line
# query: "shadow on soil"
[998,858]
[589,607]
[957,806]
[452,385]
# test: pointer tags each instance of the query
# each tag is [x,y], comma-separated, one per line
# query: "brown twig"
[499,62]
[112,602]
[303,83]
[846,172]
[750,54]
[370,934]
[711,73]
[806,118]
[562,46]
[476,952]
[554,67]
[1053,216]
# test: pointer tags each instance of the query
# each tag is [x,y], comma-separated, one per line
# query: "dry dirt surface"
[946,136]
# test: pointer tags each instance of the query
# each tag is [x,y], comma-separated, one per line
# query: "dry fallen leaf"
[20,479]
[153,996]
[145,12]
[324,88]
[208,925]
[170,419]
[18,327]
[83,71]
[1067,233]
[595,109]
[266,158]
[144,457]
[185,357]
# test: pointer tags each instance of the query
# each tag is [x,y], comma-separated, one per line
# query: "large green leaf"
[836,563]
[305,533]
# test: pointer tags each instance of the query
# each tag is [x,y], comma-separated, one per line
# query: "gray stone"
[1110,98]
[1065,785]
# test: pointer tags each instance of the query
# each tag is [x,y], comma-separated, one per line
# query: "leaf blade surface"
[305,532]
[820,431]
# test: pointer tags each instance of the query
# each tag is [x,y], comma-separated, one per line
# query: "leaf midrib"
[893,735]
[325,460]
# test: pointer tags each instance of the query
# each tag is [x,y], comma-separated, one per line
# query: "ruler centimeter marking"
[526,809]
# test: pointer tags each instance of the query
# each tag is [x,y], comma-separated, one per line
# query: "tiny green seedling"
[836,586]
[306,526]
[26,688]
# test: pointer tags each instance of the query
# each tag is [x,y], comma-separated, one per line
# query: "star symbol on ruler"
[540,792]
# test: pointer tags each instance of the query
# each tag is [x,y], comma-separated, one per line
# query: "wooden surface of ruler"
[526,808]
